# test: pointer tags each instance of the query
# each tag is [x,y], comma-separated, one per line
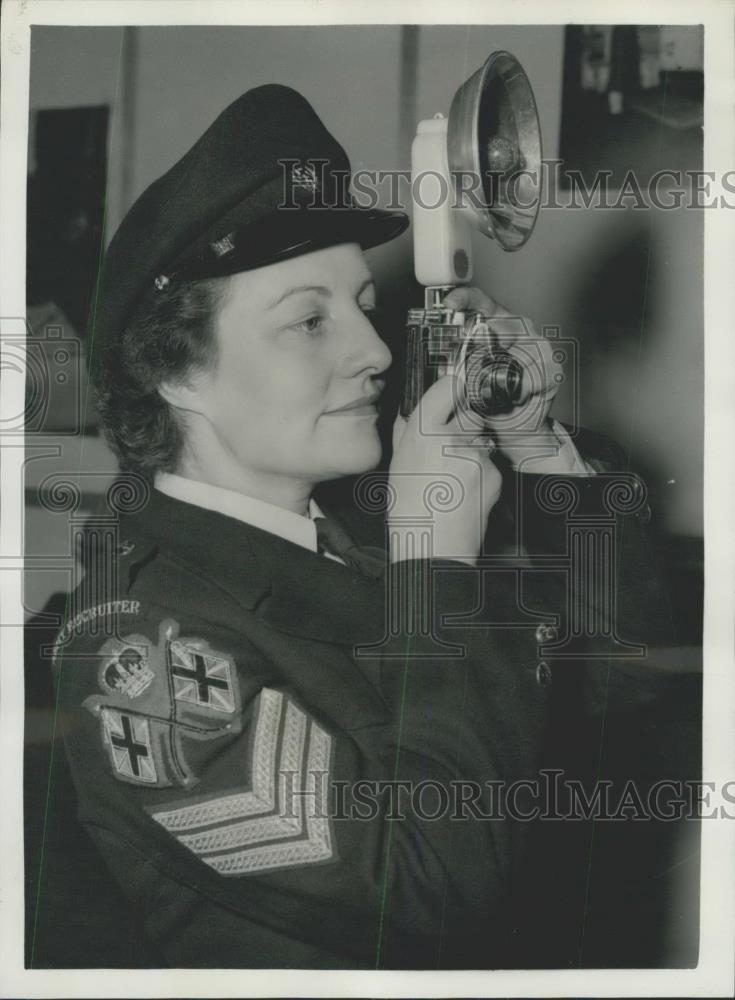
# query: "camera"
[444,341]
[477,170]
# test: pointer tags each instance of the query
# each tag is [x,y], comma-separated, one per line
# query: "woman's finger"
[467,297]
[438,403]
[399,429]
[466,425]
[511,329]
[541,372]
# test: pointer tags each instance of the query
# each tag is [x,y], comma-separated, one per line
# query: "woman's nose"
[367,350]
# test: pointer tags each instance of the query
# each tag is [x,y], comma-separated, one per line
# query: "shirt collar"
[297,528]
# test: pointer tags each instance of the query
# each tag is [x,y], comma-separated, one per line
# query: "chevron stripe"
[255,830]
[316,848]
[265,828]
[261,797]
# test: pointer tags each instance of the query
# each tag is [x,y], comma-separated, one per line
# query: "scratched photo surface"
[363,530]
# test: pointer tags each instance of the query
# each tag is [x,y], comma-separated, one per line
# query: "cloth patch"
[281,820]
[80,621]
[201,677]
[158,698]
[129,741]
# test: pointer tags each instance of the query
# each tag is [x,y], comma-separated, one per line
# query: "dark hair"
[170,336]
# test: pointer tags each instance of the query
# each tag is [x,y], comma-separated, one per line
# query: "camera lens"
[493,382]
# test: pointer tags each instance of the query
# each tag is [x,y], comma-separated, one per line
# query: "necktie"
[331,537]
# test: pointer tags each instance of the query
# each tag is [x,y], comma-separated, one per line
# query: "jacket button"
[543,674]
[645,514]
[545,633]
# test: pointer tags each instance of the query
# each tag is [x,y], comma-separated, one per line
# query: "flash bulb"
[501,155]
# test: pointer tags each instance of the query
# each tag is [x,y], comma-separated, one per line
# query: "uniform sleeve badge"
[162,705]
[159,702]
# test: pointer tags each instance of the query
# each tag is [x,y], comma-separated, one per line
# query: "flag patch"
[200,676]
[281,821]
[128,739]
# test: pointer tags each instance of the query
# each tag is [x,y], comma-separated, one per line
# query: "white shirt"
[297,528]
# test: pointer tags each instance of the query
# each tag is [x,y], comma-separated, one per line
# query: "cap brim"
[289,233]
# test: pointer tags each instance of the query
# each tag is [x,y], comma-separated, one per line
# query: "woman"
[284,748]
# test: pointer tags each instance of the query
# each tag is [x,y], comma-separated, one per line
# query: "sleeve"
[593,532]
[565,461]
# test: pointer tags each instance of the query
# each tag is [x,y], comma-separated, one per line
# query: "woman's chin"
[355,461]
[349,455]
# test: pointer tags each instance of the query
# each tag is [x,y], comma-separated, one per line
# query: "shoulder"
[169,554]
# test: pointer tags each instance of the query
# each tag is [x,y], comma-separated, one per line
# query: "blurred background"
[113,108]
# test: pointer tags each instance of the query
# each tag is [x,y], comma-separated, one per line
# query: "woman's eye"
[309,325]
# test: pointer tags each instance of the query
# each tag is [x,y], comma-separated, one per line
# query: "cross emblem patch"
[129,740]
[201,677]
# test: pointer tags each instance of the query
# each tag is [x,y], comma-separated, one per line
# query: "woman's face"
[294,388]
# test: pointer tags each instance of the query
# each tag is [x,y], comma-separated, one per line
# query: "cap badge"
[304,177]
[224,245]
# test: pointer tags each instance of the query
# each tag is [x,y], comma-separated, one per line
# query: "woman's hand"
[441,476]
[524,433]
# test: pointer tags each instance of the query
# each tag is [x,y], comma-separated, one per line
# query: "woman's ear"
[183,394]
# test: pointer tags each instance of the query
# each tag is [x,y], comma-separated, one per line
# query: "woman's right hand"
[441,475]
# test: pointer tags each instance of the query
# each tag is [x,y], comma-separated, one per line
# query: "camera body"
[444,341]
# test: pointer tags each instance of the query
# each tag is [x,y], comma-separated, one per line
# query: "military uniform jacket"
[247,721]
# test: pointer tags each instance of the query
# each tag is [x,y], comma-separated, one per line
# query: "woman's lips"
[355,411]
[363,406]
